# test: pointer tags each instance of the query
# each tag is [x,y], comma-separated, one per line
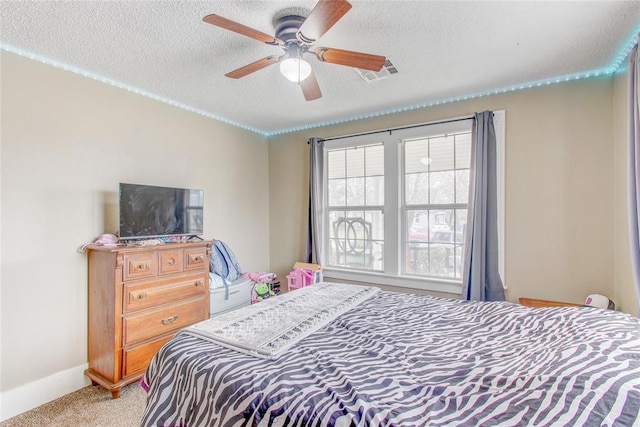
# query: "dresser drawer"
[137,359]
[139,295]
[154,323]
[139,266]
[195,258]
[171,261]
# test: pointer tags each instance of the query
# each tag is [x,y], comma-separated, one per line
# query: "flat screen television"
[148,211]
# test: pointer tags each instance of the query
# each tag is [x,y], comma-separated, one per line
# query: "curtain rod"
[373,132]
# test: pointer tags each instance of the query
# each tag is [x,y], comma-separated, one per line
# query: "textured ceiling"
[443,50]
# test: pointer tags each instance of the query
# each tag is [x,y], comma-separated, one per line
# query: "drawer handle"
[198,283]
[234,292]
[142,295]
[142,266]
[169,320]
[171,261]
[197,258]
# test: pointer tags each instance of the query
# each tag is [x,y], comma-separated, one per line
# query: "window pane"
[442,260]
[418,229]
[441,256]
[441,226]
[355,191]
[356,226]
[461,225]
[416,155]
[336,192]
[441,153]
[355,177]
[416,250]
[459,253]
[337,256]
[376,219]
[416,189]
[375,160]
[463,150]
[375,190]
[338,242]
[355,162]
[433,241]
[336,164]
[442,186]
[462,186]
[417,259]
[378,255]
[356,239]
[336,224]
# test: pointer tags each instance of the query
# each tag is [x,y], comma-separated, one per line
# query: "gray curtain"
[316,174]
[480,277]
[634,166]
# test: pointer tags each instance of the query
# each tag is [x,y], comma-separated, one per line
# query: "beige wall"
[67,141]
[624,293]
[559,181]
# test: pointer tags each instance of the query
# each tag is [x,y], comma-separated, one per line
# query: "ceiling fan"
[295,35]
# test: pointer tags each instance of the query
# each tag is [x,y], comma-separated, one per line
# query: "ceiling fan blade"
[322,17]
[310,87]
[364,61]
[253,67]
[228,24]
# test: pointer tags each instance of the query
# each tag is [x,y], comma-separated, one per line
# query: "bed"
[390,359]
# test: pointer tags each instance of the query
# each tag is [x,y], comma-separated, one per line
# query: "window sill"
[435,285]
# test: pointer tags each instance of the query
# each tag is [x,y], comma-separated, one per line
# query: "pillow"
[223,262]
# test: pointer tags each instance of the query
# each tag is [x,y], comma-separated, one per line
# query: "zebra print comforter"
[410,360]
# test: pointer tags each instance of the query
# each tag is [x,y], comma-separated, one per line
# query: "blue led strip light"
[617,62]
[121,85]
[522,86]
[615,65]
[626,49]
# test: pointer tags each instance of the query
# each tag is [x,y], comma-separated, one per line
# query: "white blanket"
[268,328]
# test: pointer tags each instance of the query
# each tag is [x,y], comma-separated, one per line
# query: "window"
[355,205]
[396,205]
[435,186]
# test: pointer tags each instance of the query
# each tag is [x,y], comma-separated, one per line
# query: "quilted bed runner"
[270,327]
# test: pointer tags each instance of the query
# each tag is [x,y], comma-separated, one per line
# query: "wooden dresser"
[139,296]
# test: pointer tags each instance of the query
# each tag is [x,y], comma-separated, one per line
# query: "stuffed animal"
[263,291]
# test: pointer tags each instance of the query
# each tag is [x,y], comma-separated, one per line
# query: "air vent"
[387,70]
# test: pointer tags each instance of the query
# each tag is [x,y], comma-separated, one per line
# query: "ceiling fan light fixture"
[295,69]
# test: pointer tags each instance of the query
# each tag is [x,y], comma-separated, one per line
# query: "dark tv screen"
[148,211]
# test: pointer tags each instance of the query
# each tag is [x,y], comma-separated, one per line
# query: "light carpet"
[89,406]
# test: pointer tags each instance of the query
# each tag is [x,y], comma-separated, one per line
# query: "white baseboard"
[25,397]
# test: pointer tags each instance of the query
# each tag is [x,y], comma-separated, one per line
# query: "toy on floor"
[265,285]
[262,291]
[304,274]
